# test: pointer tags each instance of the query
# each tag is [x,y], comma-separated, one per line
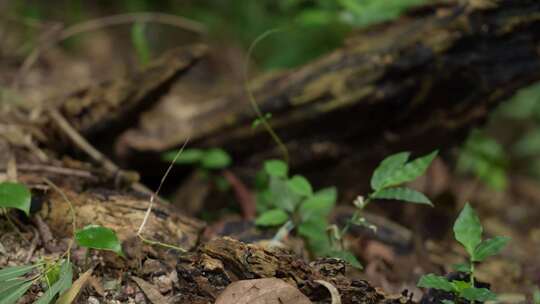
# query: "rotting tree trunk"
[417,83]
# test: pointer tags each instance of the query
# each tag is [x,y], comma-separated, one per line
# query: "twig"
[260,115]
[53,169]
[45,233]
[149,210]
[80,142]
[33,246]
[95,24]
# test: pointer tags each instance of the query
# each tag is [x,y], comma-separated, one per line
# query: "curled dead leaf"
[262,291]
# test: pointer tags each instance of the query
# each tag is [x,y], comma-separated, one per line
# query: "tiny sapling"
[468,232]
[293,203]
[207,162]
[386,183]
[55,275]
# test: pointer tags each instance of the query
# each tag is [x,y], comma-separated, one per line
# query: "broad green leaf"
[459,286]
[387,167]
[300,186]
[347,256]
[403,194]
[188,156]
[448,302]
[435,282]
[315,233]
[63,284]
[319,204]
[15,195]
[489,247]
[12,292]
[282,196]
[272,217]
[98,237]
[215,159]
[15,271]
[408,172]
[276,168]
[468,230]
[462,267]
[478,294]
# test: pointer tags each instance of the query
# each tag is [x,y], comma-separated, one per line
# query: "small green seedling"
[386,183]
[56,275]
[206,161]
[468,232]
[99,237]
[15,281]
[292,203]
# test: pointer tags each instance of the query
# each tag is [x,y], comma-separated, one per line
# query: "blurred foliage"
[511,141]
[311,27]
[485,158]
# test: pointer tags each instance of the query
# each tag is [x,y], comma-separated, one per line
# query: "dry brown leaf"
[71,294]
[262,291]
[150,291]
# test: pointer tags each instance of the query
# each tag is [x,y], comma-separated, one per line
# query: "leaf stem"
[251,98]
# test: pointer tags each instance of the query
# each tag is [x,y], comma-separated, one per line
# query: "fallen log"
[419,82]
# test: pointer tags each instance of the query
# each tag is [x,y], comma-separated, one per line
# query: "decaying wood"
[224,260]
[420,81]
[113,105]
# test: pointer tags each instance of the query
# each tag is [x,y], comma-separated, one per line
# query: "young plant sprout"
[468,232]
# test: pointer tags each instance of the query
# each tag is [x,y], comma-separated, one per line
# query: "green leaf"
[215,159]
[462,267]
[387,167]
[468,230]
[272,217]
[347,256]
[276,168]
[282,196]
[484,157]
[63,284]
[260,120]
[319,204]
[408,172]
[188,156]
[403,194]
[15,271]
[459,286]
[435,282]
[448,302]
[15,195]
[98,237]
[12,291]
[489,247]
[300,186]
[315,233]
[478,294]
